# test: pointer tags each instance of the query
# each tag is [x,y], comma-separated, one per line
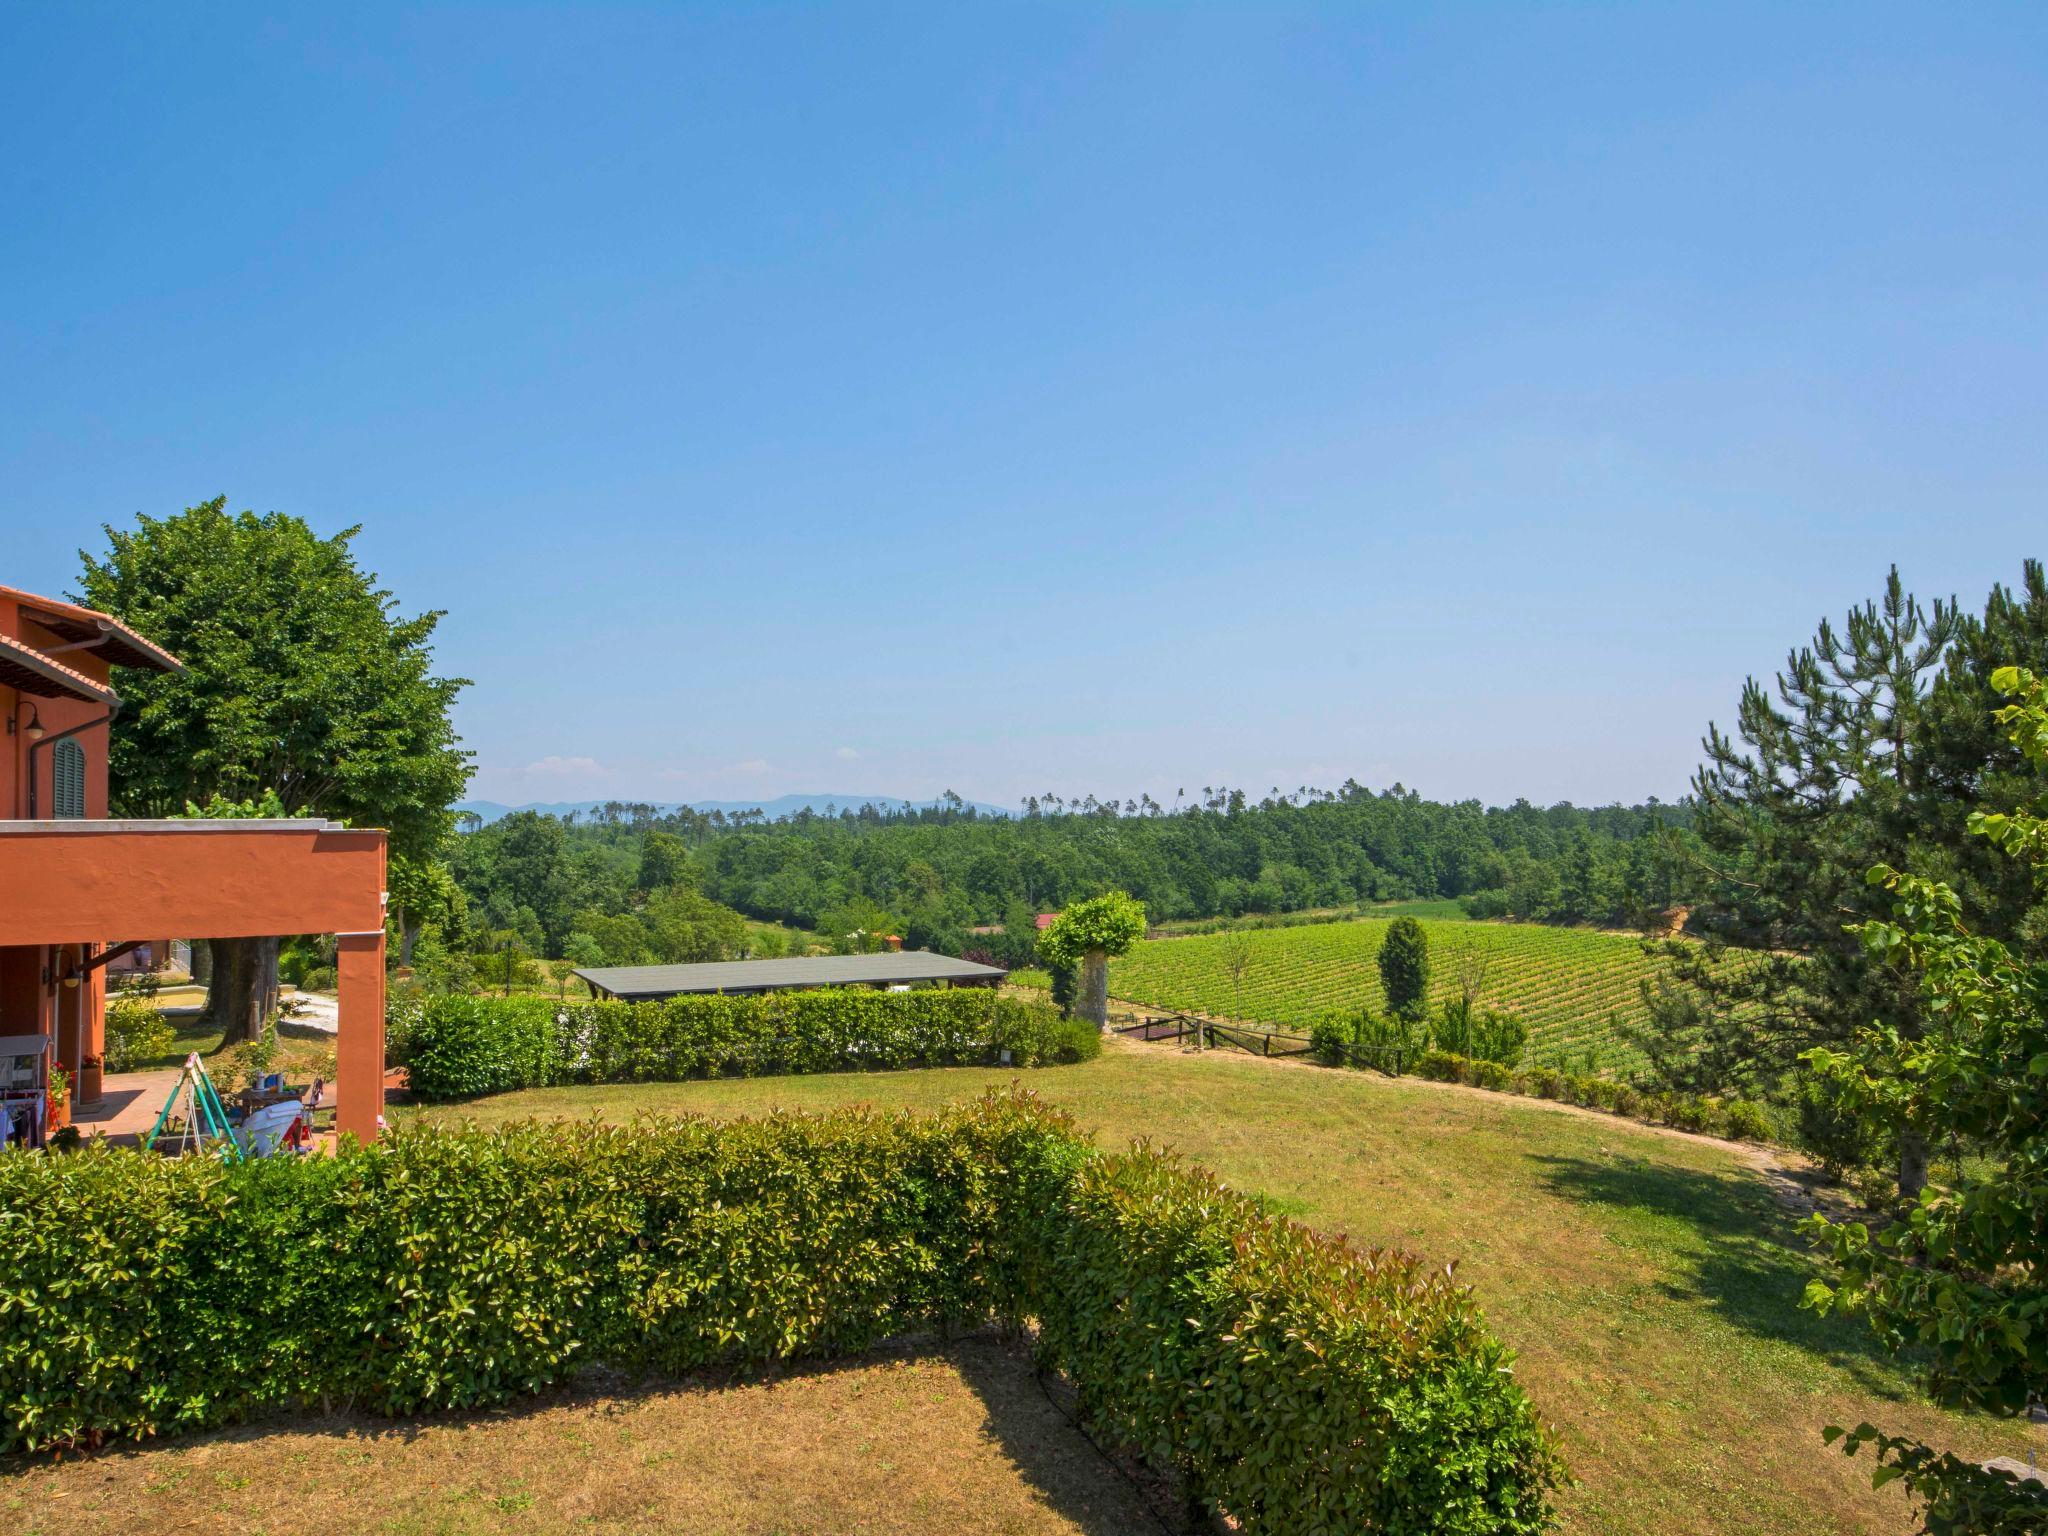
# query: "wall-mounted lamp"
[34,729]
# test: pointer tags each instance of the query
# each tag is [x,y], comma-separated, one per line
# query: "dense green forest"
[935,875]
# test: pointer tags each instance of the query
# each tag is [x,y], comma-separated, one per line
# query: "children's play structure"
[267,1119]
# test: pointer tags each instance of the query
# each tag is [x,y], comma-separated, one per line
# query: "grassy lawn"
[935,1443]
[1648,1283]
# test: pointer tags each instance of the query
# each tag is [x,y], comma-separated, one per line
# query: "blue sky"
[888,399]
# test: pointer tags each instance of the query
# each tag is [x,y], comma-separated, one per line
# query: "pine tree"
[1826,776]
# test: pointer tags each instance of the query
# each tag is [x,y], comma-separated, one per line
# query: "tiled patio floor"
[131,1101]
[128,1105]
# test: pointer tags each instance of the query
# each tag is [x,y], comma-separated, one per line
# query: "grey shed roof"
[894,968]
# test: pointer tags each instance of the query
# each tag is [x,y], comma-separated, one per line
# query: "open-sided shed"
[899,968]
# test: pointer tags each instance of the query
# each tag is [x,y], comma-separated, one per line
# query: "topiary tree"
[1088,933]
[1404,968]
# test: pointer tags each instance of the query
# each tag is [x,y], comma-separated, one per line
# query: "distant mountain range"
[782,805]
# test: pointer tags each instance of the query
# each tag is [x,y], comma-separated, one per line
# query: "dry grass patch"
[940,1443]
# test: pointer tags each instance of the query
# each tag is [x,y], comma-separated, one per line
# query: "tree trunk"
[1912,1164]
[202,961]
[1093,1003]
[242,992]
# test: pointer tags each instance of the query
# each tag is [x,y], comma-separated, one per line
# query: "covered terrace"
[73,892]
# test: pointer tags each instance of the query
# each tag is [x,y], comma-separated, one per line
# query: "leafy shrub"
[1627,1100]
[1071,1041]
[320,978]
[1877,1189]
[459,1047]
[1830,1129]
[293,958]
[136,1032]
[1690,1112]
[1386,1042]
[1547,1083]
[1294,1381]
[1745,1120]
[1499,1037]
[1595,1092]
[1441,1066]
[1329,1040]
[1492,1074]
[1451,1033]
[1487,904]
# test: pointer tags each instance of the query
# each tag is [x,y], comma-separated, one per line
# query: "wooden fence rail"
[1209,1034]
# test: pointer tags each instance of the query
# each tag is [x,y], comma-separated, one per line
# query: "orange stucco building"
[75,886]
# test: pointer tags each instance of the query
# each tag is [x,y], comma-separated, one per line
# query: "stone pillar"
[359,1042]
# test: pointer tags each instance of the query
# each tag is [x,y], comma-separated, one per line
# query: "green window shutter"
[67,769]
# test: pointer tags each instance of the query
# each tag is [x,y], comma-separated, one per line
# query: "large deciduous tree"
[1089,933]
[1961,1274]
[301,678]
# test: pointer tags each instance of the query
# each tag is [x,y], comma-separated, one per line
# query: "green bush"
[1492,1074]
[1386,1042]
[320,978]
[1295,1382]
[1746,1121]
[1595,1092]
[460,1047]
[1071,1041]
[1499,1037]
[1627,1100]
[1831,1130]
[136,1032]
[1329,1040]
[1487,904]
[1441,1066]
[1689,1112]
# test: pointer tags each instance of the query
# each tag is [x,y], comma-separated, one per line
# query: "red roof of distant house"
[1045,920]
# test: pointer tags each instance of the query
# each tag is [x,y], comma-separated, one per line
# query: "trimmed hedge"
[1291,1380]
[460,1047]
[1297,1383]
[444,1269]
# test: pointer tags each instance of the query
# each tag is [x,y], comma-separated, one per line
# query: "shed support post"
[359,1039]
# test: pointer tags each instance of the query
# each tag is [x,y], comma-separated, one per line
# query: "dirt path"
[314,1011]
